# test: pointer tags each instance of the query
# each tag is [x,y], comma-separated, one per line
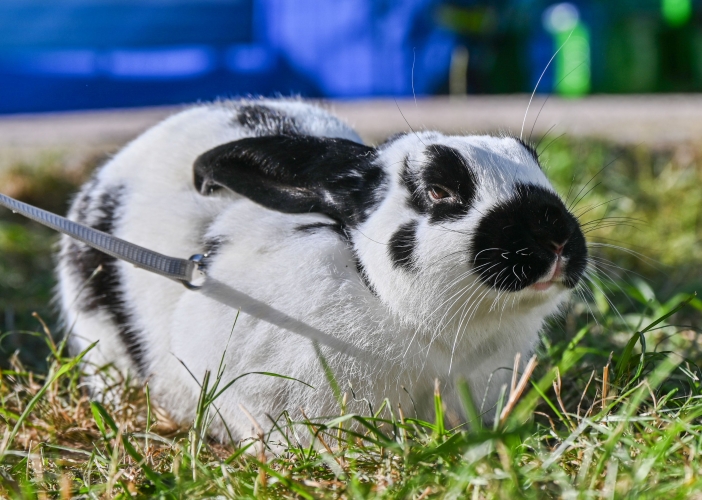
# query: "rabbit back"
[145,195]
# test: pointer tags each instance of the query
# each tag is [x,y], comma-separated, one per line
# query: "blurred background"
[617,117]
[81,54]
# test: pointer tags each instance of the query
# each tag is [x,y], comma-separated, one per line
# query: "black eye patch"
[447,169]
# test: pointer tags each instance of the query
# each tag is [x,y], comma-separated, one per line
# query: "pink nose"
[558,248]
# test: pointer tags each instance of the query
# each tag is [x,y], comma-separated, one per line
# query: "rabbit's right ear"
[296,174]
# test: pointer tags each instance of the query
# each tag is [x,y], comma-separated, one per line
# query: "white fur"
[418,328]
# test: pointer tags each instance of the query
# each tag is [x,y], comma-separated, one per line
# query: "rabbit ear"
[296,174]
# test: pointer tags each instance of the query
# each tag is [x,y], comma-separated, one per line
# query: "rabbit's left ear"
[296,174]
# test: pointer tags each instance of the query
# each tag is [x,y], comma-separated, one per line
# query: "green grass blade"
[440,430]
[101,417]
[328,373]
[268,374]
[475,422]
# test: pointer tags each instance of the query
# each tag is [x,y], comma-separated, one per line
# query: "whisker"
[543,137]
[611,304]
[539,153]
[549,96]
[613,218]
[578,215]
[580,290]
[521,132]
[579,198]
[609,264]
[408,124]
[645,258]
[604,226]
[475,284]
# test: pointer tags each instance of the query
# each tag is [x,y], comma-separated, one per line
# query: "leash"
[176,269]
[184,271]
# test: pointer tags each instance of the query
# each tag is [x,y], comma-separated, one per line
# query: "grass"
[625,426]
[613,409]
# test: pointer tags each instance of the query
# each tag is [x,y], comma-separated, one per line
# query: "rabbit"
[440,257]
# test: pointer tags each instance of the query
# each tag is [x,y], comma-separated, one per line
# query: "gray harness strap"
[182,270]
[176,269]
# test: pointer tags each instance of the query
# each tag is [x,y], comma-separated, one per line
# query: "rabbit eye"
[438,193]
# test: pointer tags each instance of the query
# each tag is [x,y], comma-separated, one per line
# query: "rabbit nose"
[550,245]
[550,229]
[558,247]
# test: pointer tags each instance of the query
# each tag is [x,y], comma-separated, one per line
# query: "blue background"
[79,54]
[76,54]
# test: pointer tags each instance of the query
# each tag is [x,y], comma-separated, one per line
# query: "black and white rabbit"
[440,256]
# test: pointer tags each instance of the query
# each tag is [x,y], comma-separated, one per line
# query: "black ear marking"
[296,174]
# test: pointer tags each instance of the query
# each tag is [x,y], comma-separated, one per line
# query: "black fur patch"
[402,245]
[210,250]
[212,246]
[530,149]
[82,204]
[296,174]
[514,243]
[267,121]
[361,270]
[103,291]
[313,227]
[412,182]
[447,169]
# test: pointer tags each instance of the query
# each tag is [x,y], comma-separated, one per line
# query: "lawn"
[612,410]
